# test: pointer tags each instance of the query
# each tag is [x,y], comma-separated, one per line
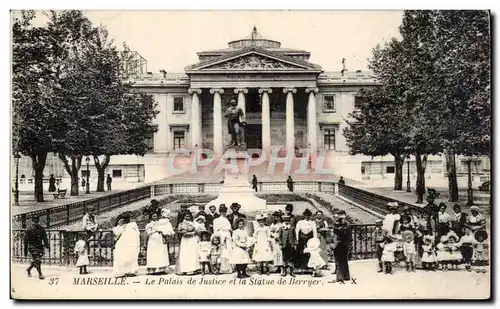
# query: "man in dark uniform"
[35,242]
[233,115]
[289,183]
[235,215]
[254,183]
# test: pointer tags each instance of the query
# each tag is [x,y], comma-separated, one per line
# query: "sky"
[170,39]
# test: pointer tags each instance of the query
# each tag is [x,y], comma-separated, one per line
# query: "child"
[409,250]
[390,248]
[215,251]
[83,257]
[315,259]
[455,254]
[406,224]
[239,252]
[379,236]
[443,253]
[262,252]
[287,243]
[204,247]
[466,242]
[199,224]
[428,254]
[480,247]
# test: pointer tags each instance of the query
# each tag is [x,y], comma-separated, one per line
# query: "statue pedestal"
[236,187]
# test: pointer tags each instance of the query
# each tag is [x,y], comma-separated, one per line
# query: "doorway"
[253,136]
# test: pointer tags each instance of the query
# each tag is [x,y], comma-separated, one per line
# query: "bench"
[60,194]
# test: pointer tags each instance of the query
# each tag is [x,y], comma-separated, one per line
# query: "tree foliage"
[95,112]
[434,92]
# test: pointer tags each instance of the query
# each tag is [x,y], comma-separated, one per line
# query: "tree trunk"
[451,170]
[38,162]
[421,163]
[101,168]
[398,176]
[73,169]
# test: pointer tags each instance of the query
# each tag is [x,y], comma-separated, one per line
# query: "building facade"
[288,103]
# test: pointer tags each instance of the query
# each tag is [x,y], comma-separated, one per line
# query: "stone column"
[217,140]
[242,104]
[195,118]
[241,98]
[312,139]
[266,120]
[290,128]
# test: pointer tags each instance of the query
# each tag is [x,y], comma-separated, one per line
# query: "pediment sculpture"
[253,62]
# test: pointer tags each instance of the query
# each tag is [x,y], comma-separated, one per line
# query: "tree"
[379,127]
[35,102]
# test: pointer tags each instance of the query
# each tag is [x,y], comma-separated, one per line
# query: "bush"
[332,209]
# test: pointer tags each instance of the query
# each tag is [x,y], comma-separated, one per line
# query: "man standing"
[235,215]
[289,183]
[233,115]
[254,183]
[35,242]
[341,180]
[108,182]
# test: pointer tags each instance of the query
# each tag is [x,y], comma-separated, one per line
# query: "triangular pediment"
[253,60]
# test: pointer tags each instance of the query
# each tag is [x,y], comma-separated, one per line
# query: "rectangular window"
[117,173]
[358,102]
[150,141]
[178,104]
[329,140]
[389,169]
[179,140]
[84,173]
[329,104]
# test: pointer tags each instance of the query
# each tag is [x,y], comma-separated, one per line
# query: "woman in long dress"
[305,230]
[167,230]
[275,233]
[223,229]
[188,252]
[127,247]
[322,227]
[341,245]
[157,255]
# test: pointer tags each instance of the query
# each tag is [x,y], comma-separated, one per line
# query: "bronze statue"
[234,123]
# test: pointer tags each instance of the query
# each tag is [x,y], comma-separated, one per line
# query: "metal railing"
[63,215]
[372,201]
[101,247]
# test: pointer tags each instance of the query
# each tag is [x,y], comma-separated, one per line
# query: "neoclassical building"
[288,103]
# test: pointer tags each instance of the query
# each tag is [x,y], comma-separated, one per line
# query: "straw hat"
[452,234]
[408,235]
[392,205]
[313,243]
[428,239]
[260,217]
[474,208]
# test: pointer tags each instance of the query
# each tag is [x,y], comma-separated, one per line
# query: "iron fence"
[64,215]
[101,247]
[375,202]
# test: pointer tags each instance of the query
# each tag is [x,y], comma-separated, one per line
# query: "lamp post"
[87,186]
[470,197]
[16,185]
[408,183]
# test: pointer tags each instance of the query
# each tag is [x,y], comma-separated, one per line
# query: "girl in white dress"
[262,252]
[223,229]
[455,253]
[157,259]
[127,247]
[428,253]
[239,253]
[443,253]
[316,262]
[466,243]
[188,252]
[204,247]
[83,257]
[275,232]
[390,248]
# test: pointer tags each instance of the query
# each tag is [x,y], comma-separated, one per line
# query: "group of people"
[221,242]
[445,244]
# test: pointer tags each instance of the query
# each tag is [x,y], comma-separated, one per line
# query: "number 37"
[54,281]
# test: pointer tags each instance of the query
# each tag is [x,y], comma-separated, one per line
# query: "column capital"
[194,90]
[214,90]
[268,90]
[313,90]
[238,90]
[292,90]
